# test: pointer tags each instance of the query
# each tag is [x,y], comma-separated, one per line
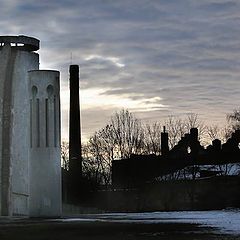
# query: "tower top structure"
[20,42]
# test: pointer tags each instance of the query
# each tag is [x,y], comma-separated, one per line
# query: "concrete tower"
[45,153]
[75,161]
[17,57]
[18,176]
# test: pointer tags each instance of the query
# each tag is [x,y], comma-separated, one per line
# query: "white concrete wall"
[14,143]
[45,165]
[24,62]
[4,56]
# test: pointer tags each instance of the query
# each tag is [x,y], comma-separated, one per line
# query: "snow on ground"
[225,221]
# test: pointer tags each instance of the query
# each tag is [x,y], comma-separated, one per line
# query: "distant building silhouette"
[139,169]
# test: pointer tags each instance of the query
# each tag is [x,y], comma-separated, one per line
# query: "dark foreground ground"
[25,229]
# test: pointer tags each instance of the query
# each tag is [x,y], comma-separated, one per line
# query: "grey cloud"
[220,6]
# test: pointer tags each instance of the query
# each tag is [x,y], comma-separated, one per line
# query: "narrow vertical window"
[34,118]
[47,122]
[59,122]
[50,124]
[55,121]
[31,127]
[38,122]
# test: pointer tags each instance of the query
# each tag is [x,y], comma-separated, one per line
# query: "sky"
[154,57]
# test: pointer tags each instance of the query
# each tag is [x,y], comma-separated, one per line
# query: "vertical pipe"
[75,160]
[47,122]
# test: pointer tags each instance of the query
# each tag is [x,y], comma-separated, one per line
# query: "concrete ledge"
[20,42]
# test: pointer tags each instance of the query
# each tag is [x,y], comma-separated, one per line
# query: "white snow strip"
[225,221]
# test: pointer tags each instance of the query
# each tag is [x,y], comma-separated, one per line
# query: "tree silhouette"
[234,119]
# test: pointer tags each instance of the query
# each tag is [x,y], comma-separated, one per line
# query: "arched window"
[34,91]
[50,91]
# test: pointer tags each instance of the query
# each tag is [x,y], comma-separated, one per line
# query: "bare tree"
[177,127]
[65,155]
[127,133]
[234,119]
[152,140]
[192,121]
[215,132]
[100,157]
[89,165]
[119,139]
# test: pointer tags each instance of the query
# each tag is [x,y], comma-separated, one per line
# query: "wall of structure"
[24,62]
[45,165]
[180,195]
[14,130]
[4,56]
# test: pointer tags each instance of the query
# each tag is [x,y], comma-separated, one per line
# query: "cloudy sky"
[154,57]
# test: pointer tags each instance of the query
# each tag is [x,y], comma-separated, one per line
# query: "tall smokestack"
[164,142]
[75,158]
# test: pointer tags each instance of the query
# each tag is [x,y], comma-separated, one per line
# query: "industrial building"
[140,169]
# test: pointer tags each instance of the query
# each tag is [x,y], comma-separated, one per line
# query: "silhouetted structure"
[139,169]
[75,159]
[164,142]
